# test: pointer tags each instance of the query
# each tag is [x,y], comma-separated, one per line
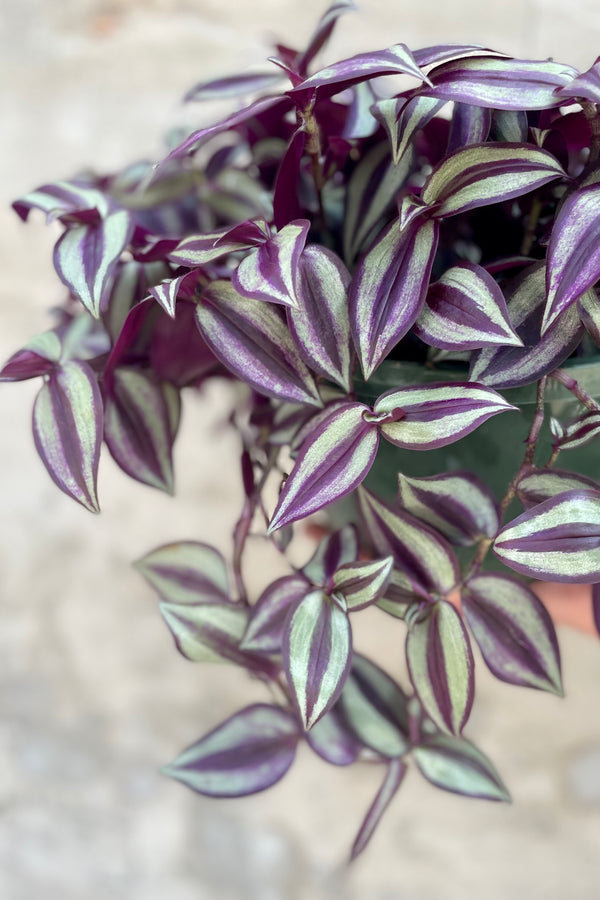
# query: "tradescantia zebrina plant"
[391,271]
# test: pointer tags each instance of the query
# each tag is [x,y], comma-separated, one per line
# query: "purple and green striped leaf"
[396,60]
[320,323]
[542,484]
[86,257]
[454,764]
[425,417]
[186,572]
[375,708]
[64,198]
[515,366]
[138,429]
[585,86]
[317,652]
[322,33]
[589,313]
[440,663]
[332,461]
[67,430]
[388,289]
[247,753]
[332,739]
[457,504]
[513,630]
[576,433]
[370,195]
[199,249]
[402,119]
[573,265]
[269,615]
[394,776]
[252,340]
[557,540]
[38,357]
[510,125]
[500,83]
[362,583]
[270,272]
[465,310]
[482,174]
[333,551]
[425,558]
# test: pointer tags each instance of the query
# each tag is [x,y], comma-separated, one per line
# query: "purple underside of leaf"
[317,653]
[573,252]
[388,289]
[333,461]
[514,631]
[322,32]
[500,83]
[394,776]
[286,204]
[247,753]
[67,430]
[558,539]
[39,357]
[440,662]
[232,86]
[251,339]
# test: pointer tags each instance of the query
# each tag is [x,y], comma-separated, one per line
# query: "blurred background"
[93,696]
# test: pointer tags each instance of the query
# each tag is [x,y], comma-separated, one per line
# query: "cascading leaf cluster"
[452,221]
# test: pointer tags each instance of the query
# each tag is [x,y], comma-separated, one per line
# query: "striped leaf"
[64,198]
[332,461]
[388,289]
[515,366]
[573,265]
[402,119]
[322,33]
[232,86]
[371,195]
[425,417]
[501,83]
[589,313]
[576,433]
[482,174]
[247,753]
[137,428]
[333,551]
[86,257]
[199,249]
[425,558]
[456,504]
[542,484]
[67,430]
[36,358]
[186,572]
[397,60]
[557,540]
[270,272]
[252,341]
[440,663]
[465,310]
[456,765]
[332,739]
[513,630]
[394,776]
[317,651]
[269,615]
[375,708]
[320,322]
[362,583]
[585,86]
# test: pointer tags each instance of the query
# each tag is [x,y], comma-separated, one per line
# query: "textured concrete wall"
[93,698]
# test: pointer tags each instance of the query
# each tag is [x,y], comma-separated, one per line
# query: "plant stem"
[590,111]
[573,386]
[532,220]
[313,148]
